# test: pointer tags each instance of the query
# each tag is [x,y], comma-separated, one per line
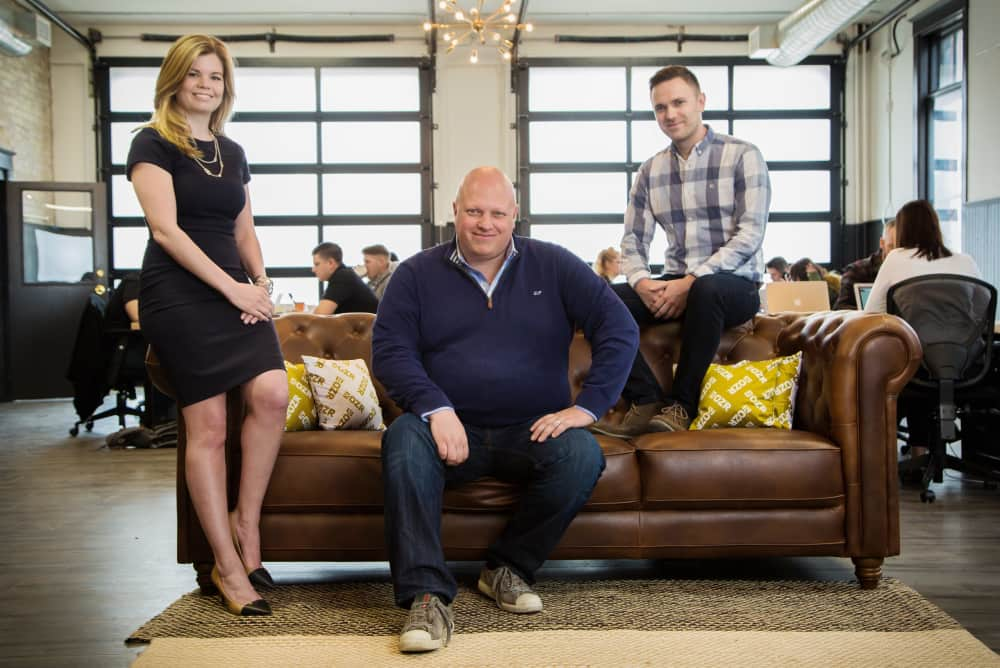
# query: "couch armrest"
[854,365]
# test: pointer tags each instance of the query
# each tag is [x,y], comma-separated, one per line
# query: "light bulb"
[496,37]
[427,26]
[474,57]
[528,27]
[448,36]
[510,18]
[474,11]
[459,16]
[443,4]
[506,55]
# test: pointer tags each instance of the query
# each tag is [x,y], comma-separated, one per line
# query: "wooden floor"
[88,546]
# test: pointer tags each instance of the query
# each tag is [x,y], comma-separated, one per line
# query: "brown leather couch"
[827,487]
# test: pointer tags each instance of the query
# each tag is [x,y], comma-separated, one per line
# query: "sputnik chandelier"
[479,27]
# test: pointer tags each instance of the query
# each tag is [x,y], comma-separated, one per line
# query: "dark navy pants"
[556,479]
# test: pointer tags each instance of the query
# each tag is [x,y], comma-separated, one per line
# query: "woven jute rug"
[600,623]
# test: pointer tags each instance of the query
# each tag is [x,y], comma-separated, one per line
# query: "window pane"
[122,135]
[283,194]
[129,246]
[949,59]
[946,165]
[647,140]
[275,89]
[767,87]
[370,89]
[386,194]
[289,290]
[578,141]
[275,143]
[794,241]
[714,83]
[576,89]
[589,240]
[285,246]
[800,191]
[123,199]
[601,192]
[132,88]
[57,236]
[403,240]
[787,139]
[371,142]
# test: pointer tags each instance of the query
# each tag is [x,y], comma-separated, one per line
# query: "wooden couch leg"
[868,570]
[204,577]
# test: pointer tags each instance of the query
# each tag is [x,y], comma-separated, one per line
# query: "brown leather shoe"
[671,417]
[635,422]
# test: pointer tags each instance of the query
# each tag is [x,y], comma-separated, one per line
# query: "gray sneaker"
[672,418]
[509,591]
[634,423]
[429,625]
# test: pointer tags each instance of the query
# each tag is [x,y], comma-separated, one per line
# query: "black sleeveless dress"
[204,347]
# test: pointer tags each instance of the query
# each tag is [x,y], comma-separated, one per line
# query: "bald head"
[485,177]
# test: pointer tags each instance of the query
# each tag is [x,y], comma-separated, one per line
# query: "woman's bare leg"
[266,399]
[205,470]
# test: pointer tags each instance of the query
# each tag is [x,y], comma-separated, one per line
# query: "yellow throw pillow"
[301,413]
[749,394]
[344,394]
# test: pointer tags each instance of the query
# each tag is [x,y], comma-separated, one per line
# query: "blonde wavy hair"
[608,254]
[168,119]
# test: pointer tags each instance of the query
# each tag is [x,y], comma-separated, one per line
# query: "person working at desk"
[866,269]
[345,291]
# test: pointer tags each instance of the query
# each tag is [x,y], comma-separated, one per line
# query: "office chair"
[105,359]
[953,317]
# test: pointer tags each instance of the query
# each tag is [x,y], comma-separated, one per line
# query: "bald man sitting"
[472,340]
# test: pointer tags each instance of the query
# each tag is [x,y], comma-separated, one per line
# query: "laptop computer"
[861,292]
[798,296]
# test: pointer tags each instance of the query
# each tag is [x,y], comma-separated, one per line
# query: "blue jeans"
[557,477]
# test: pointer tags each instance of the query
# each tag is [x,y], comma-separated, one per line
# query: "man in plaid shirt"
[710,193]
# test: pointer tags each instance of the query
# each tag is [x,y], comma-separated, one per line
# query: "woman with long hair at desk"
[208,323]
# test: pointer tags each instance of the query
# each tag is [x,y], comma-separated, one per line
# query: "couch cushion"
[342,470]
[739,469]
[327,471]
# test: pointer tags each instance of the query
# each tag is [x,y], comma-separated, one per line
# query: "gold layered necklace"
[217,159]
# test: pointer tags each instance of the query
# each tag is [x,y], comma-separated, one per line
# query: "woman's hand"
[253,301]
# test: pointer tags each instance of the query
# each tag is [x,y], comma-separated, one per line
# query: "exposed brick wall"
[26,113]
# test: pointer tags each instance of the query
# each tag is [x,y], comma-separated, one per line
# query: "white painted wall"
[984,101]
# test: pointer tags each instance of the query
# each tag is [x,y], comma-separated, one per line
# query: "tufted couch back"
[340,337]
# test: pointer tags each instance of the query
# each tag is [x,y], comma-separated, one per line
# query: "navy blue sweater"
[437,341]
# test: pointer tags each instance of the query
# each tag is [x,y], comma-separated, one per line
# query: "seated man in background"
[345,291]
[777,269]
[472,341]
[866,269]
[378,268]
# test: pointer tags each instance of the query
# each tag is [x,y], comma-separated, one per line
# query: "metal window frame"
[721,118]
[929,30]
[425,167]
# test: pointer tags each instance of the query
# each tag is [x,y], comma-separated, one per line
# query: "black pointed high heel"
[260,607]
[259,577]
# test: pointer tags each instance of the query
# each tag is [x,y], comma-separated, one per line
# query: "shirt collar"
[701,146]
[459,259]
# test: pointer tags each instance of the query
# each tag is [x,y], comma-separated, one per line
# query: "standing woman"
[209,325]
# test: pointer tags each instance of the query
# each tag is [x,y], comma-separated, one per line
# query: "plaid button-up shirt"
[713,208]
